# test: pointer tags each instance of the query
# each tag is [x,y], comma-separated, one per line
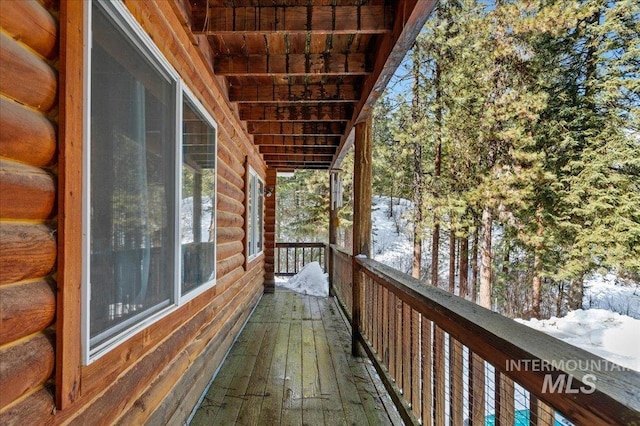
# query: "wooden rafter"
[282,128]
[333,19]
[320,112]
[292,64]
[296,140]
[297,150]
[294,93]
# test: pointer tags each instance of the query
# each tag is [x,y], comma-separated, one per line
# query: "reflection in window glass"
[198,199]
[132,187]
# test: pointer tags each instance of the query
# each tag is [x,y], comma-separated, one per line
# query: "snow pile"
[310,280]
[604,333]
[611,293]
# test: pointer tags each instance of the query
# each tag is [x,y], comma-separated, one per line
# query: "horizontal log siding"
[28,110]
[164,368]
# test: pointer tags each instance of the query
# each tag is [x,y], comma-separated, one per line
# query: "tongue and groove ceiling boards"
[302,72]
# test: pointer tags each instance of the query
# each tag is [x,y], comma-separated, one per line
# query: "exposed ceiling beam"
[320,112]
[318,128]
[297,150]
[293,64]
[319,19]
[289,167]
[294,93]
[296,140]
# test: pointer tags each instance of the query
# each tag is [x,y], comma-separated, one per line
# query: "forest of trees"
[514,129]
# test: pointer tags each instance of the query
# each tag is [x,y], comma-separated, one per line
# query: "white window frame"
[257,229]
[187,94]
[133,31]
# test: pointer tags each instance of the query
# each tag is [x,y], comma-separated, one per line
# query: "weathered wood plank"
[26,251]
[25,77]
[284,128]
[292,64]
[186,376]
[329,391]
[271,410]
[293,93]
[26,192]
[25,366]
[319,112]
[27,136]
[371,19]
[29,22]
[25,309]
[304,151]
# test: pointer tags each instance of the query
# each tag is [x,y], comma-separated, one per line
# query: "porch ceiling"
[302,72]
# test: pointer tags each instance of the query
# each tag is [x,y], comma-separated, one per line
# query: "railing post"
[361,220]
[333,226]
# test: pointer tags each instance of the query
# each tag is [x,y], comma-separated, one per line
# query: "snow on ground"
[609,325]
[612,293]
[602,332]
[310,280]
[392,240]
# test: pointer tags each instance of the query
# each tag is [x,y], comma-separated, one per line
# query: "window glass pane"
[198,199]
[259,209]
[250,224]
[131,183]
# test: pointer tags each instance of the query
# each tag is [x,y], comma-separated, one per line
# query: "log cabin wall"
[158,374]
[28,117]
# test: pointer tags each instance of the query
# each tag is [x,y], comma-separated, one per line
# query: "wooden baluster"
[406,351]
[540,413]
[456,393]
[439,372]
[399,343]
[427,360]
[416,364]
[476,389]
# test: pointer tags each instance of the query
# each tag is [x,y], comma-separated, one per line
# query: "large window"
[150,185]
[255,222]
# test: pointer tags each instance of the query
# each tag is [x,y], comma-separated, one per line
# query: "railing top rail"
[607,392]
[300,245]
[340,250]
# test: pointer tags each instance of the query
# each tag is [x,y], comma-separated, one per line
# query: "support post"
[361,220]
[333,225]
[270,230]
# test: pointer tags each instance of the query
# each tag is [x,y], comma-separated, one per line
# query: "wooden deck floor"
[292,365]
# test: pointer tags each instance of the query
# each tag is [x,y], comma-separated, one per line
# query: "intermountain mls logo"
[559,375]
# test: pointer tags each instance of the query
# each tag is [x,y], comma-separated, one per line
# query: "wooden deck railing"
[290,258]
[446,360]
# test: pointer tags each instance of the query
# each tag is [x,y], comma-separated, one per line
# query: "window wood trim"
[70,161]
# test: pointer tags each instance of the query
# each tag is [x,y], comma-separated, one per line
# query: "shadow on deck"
[292,365]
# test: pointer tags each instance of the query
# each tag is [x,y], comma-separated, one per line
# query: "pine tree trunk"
[484,294]
[417,172]
[537,267]
[464,266]
[474,267]
[452,262]
[576,293]
[435,243]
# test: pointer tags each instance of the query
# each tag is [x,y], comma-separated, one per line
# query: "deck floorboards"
[292,365]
